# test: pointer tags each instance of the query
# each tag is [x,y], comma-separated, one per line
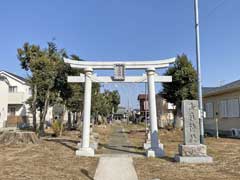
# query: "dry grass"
[51,160]
[225,152]
[55,159]
[136,136]
[104,133]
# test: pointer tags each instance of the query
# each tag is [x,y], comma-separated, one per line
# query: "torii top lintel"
[157,64]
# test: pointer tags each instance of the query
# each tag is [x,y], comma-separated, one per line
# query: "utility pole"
[128,111]
[145,108]
[199,71]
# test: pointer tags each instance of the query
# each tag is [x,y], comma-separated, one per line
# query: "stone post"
[85,149]
[156,149]
[191,151]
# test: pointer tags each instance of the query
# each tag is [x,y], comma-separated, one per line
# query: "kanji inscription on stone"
[191,122]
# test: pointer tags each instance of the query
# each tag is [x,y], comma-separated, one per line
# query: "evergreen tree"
[183,85]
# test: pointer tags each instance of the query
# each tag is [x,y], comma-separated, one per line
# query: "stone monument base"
[195,160]
[85,152]
[193,154]
[156,152]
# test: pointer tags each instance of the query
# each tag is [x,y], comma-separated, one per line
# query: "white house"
[14,92]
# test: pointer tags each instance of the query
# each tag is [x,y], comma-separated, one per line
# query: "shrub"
[56,126]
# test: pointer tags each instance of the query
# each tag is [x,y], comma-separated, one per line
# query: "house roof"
[142,96]
[14,76]
[208,91]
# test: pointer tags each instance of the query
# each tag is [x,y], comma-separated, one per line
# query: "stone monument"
[192,151]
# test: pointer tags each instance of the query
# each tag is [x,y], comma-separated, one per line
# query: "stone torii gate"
[156,149]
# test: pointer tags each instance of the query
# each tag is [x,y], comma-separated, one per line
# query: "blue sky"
[126,30]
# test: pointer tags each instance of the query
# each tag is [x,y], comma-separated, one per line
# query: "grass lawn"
[55,159]
[225,153]
[49,160]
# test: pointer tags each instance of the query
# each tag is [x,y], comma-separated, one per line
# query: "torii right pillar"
[156,149]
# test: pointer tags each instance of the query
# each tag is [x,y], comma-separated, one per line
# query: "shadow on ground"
[121,148]
[86,173]
[71,144]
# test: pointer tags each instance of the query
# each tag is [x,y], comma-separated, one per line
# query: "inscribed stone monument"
[191,151]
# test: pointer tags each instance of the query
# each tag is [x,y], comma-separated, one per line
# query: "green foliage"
[104,103]
[75,100]
[115,100]
[184,82]
[56,127]
[48,73]
[28,54]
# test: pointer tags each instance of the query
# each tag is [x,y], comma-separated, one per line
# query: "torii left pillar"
[85,149]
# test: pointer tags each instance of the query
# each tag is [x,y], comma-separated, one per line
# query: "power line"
[204,18]
[215,8]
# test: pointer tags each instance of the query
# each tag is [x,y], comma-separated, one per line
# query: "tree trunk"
[69,121]
[78,119]
[44,113]
[62,120]
[41,126]
[34,109]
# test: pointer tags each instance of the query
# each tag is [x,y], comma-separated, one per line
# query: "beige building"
[165,110]
[222,103]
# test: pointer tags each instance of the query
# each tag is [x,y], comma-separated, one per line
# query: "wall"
[225,123]
[22,109]
[3,102]
[164,114]
[18,99]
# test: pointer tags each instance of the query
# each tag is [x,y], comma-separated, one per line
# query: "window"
[12,89]
[223,108]
[11,111]
[229,108]
[233,107]
[209,110]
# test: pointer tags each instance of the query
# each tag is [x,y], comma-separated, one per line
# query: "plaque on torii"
[119,72]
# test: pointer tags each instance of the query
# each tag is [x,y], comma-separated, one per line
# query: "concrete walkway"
[117,163]
[115,168]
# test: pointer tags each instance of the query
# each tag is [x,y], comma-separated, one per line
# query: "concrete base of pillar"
[89,152]
[156,152]
[93,145]
[147,145]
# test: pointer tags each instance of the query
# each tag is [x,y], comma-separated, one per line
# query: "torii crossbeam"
[157,64]
[128,79]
